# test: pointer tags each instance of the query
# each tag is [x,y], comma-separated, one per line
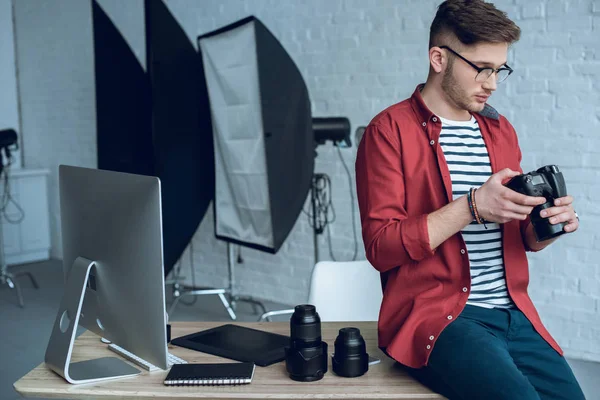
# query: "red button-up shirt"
[401,176]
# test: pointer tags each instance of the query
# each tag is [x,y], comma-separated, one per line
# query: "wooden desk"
[382,381]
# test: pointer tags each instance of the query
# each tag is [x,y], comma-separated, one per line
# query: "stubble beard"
[456,94]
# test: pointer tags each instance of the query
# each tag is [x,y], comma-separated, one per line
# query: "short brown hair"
[471,22]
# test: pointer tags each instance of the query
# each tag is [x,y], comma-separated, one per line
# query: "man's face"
[458,82]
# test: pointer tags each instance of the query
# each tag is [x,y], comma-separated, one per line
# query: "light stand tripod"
[318,225]
[7,278]
[8,138]
[228,296]
[235,298]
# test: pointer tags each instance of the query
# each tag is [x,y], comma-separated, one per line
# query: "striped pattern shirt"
[469,165]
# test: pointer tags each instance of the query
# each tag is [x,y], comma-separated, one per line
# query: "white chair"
[342,291]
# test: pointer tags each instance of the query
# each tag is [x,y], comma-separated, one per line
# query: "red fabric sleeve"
[390,236]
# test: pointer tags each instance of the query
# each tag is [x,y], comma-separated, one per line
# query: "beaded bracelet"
[470,201]
[477,217]
[472,191]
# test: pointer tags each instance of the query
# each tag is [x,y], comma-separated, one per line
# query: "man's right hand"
[497,203]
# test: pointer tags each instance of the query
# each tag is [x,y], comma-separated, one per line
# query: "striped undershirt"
[469,165]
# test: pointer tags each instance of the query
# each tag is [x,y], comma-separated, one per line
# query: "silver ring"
[576,216]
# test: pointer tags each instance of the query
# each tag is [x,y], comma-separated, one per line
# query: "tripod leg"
[227,306]
[173,305]
[264,310]
[267,316]
[13,284]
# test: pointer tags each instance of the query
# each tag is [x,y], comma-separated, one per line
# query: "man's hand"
[562,212]
[497,203]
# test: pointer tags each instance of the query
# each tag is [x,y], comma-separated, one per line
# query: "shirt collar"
[488,116]
[425,114]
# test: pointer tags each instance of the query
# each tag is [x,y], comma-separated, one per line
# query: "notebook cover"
[238,343]
[210,374]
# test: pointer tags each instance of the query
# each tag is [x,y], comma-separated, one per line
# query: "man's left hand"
[562,212]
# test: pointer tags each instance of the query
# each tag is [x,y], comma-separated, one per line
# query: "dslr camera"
[546,182]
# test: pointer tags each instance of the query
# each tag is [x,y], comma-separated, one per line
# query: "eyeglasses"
[483,74]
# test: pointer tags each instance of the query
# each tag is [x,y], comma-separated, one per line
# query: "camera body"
[546,182]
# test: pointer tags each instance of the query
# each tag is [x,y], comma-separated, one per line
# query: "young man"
[455,309]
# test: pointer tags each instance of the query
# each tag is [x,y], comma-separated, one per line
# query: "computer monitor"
[113,265]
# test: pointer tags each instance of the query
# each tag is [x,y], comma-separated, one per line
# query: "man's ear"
[437,59]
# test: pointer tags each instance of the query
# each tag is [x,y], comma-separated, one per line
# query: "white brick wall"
[9,107]
[357,58]
[56,88]
[128,17]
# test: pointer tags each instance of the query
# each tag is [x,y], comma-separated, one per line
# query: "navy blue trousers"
[496,354]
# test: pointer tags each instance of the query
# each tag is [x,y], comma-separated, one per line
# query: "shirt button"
[428,347]
[432,142]
[434,119]
[424,123]
[465,289]
[449,316]
[462,251]
[431,337]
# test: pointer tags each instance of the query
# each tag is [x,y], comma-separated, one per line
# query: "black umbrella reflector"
[156,122]
[123,119]
[262,130]
[181,129]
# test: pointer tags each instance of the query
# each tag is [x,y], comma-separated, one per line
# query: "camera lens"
[350,358]
[305,326]
[306,357]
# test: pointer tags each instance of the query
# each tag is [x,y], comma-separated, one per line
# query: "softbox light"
[263,137]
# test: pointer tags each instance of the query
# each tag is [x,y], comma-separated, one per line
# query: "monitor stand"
[60,346]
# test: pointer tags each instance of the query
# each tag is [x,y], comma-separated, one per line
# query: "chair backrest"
[346,291]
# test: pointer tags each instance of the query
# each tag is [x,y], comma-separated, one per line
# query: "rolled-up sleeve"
[391,237]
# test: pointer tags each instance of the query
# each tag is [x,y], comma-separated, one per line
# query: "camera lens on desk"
[306,357]
[350,358]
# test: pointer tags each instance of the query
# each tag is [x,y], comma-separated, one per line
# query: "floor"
[24,332]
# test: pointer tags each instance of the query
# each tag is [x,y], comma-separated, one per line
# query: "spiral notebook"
[210,374]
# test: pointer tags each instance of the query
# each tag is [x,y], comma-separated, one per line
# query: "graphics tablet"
[238,343]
